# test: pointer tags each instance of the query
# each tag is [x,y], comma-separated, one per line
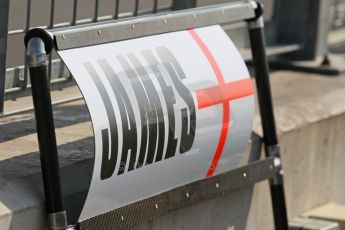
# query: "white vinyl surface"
[130,86]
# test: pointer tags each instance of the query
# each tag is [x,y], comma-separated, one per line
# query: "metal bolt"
[187,194]
[245,175]
[99,32]
[122,218]
[156,206]
[63,37]
[277,162]
[217,185]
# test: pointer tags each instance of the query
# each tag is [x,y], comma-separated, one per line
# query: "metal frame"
[41,42]
[257,40]
[36,56]
[150,25]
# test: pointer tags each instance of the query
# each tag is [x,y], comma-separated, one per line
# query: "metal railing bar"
[14,32]
[52,14]
[4,15]
[155,6]
[29,109]
[95,17]
[54,81]
[117,6]
[100,18]
[27,27]
[136,8]
[28,15]
[74,16]
[51,25]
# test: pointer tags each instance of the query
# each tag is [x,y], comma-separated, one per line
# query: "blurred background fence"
[297,27]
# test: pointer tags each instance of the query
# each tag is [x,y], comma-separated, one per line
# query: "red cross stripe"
[221,94]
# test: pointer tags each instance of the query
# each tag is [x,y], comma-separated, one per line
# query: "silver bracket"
[36,54]
[274,151]
[256,24]
[57,221]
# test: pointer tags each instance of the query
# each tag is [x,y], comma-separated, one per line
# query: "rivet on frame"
[245,175]
[156,206]
[217,185]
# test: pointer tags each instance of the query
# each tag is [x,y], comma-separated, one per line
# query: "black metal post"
[4,9]
[183,4]
[257,40]
[37,52]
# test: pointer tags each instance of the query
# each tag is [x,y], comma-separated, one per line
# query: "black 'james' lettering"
[156,105]
[129,127]
[152,117]
[169,99]
[147,113]
[176,72]
[108,164]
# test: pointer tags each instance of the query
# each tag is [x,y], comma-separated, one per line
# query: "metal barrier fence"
[304,35]
[17,17]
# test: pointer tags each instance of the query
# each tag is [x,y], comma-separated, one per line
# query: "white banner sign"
[167,110]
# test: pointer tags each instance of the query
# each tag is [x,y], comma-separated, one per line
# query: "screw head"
[277,162]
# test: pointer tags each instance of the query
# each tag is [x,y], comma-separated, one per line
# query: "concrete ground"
[310,117]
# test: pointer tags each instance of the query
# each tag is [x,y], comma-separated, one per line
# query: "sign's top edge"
[112,31]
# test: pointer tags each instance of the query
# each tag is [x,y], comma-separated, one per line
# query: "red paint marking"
[221,94]
[227,92]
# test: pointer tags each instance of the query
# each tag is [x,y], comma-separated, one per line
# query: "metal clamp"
[57,221]
[274,151]
[257,21]
[36,54]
